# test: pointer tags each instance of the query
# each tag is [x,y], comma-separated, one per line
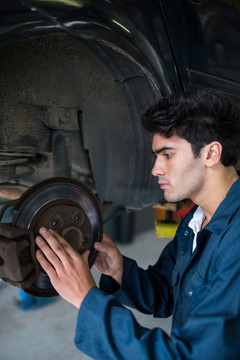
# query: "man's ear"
[212,153]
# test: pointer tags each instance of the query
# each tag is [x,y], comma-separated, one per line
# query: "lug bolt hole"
[55,223]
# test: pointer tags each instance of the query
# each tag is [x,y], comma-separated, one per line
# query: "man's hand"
[68,271]
[109,260]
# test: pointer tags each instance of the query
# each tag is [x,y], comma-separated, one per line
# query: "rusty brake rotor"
[67,206]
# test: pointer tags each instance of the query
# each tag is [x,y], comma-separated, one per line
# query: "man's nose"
[157,169]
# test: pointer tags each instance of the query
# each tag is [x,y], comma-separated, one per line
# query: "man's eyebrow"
[160,150]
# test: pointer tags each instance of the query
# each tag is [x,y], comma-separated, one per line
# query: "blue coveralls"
[200,289]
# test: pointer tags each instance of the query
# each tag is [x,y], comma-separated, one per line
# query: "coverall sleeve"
[107,330]
[149,291]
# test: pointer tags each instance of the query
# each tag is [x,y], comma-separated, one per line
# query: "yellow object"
[164,229]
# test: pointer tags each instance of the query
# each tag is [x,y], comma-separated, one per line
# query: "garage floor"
[48,333]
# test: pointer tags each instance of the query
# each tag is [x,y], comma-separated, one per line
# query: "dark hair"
[199,117]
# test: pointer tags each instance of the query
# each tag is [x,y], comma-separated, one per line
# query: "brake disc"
[67,206]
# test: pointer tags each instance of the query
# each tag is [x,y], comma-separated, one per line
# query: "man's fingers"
[107,240]
[59,238]
[48,253]
[67,247]
[55,248]
[45,264]
[107,247]
[55,241]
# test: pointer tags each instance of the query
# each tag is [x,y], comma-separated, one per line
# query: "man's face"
[180,175]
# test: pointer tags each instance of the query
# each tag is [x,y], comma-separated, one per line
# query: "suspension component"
[14,166]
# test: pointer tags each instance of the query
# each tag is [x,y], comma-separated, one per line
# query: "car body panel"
[77,75]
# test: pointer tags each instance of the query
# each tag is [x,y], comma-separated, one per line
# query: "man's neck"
[215,190]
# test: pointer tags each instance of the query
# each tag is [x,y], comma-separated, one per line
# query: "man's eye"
[168,156]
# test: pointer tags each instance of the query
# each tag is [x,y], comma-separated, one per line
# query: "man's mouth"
[163,184]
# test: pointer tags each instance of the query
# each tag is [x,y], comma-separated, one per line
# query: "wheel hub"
[68,207]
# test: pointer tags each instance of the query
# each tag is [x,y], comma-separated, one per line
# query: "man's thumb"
[97,246]
[101,247]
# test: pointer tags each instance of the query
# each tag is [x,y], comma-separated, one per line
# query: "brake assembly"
[63,204]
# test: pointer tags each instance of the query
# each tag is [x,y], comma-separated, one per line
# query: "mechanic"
[196,141]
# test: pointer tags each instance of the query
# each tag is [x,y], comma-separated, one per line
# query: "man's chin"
[173,198]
